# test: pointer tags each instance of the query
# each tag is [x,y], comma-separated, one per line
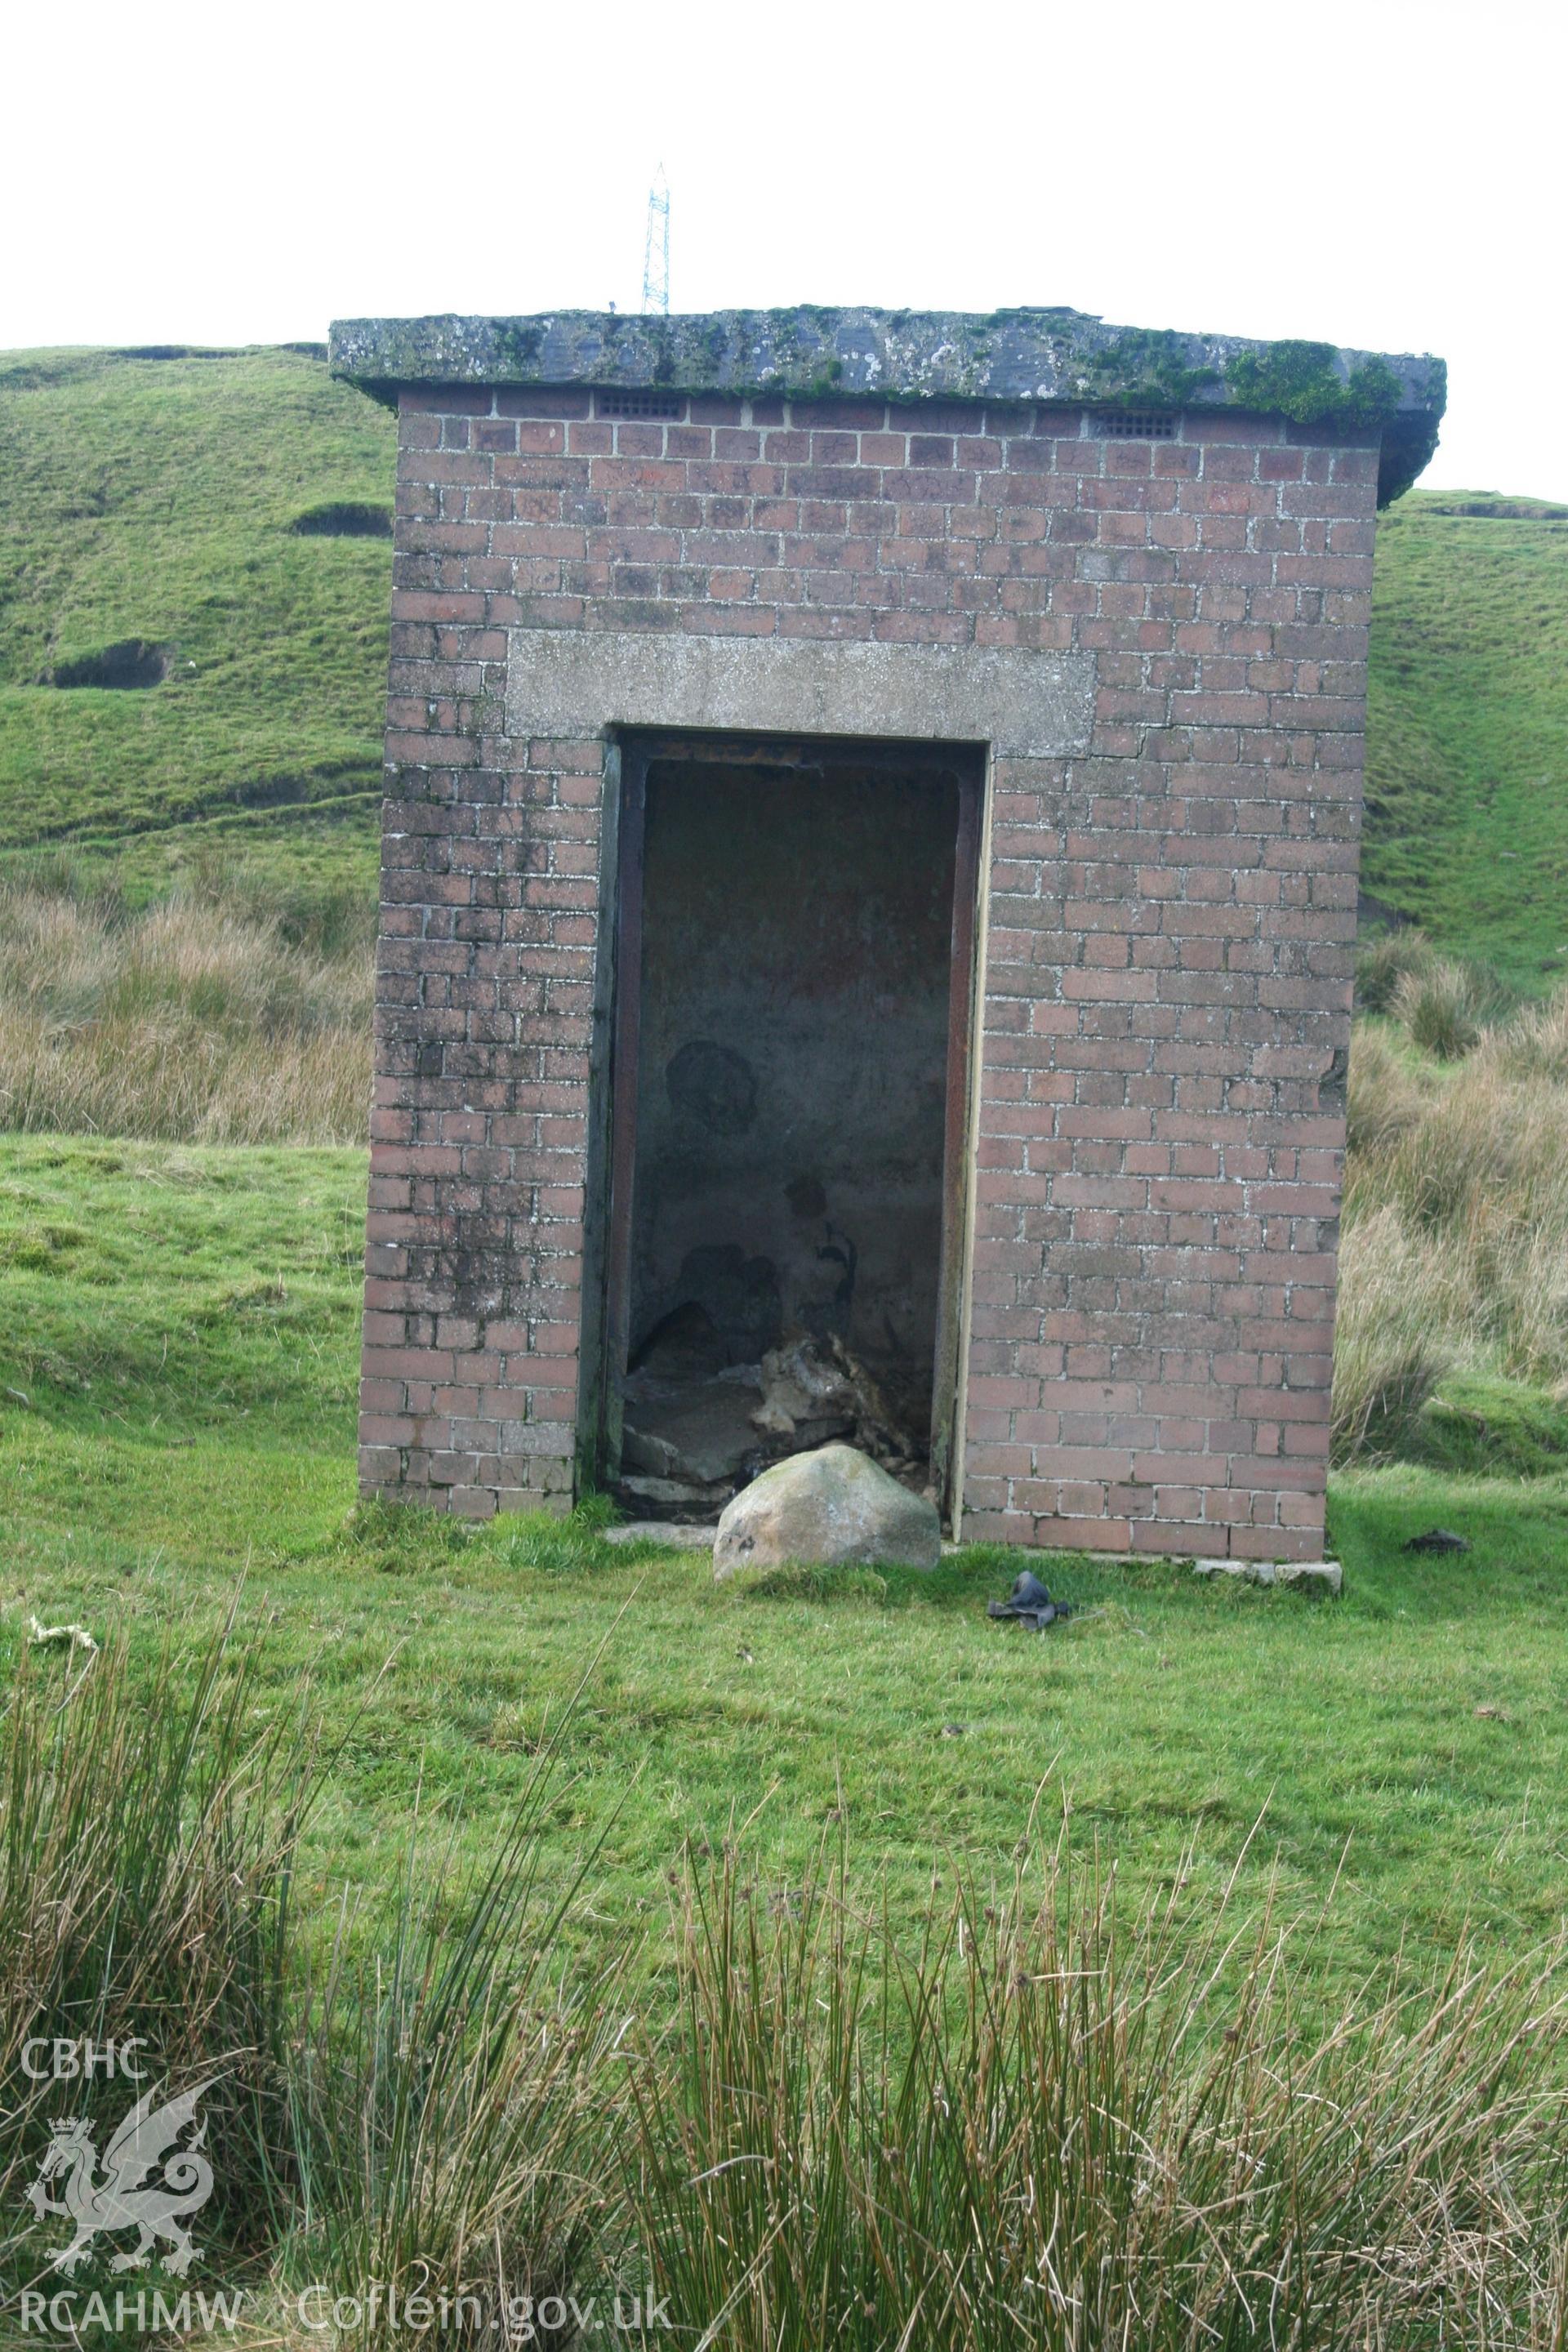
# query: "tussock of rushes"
[1439,1006]
[1534,1044]
[192,1023]
[421,2103]
[451,2098]
[1456,1239]
[1390,1350]
[147,1838]
[1387,1095]
[1385,961]
[1052,2132]
[1445,1002]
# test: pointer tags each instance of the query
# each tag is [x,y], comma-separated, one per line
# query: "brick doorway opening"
[784,1152]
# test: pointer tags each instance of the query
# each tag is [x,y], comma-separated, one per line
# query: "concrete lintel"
[1026,704]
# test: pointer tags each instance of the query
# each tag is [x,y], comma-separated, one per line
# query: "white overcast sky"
[1376,174]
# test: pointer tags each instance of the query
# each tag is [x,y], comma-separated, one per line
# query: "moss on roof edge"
[1002,357]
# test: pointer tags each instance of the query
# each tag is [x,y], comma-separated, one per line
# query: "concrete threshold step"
[1323,1575]
[1319,1575]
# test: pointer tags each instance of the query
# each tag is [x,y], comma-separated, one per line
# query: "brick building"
[869,860]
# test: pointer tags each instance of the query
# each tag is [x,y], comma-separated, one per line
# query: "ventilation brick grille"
[653,407]
[1135,425]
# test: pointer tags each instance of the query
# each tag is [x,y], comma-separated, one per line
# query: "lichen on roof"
[1024,355]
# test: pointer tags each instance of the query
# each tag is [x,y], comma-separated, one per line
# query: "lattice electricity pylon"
[656,251]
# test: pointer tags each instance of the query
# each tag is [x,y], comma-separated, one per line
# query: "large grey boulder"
[832,1508]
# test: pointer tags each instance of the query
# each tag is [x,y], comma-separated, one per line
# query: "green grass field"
[182,1327]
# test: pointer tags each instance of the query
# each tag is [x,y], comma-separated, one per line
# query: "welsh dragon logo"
[124,2199]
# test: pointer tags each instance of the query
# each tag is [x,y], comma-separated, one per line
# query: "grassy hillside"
[1467,824]
[154,500]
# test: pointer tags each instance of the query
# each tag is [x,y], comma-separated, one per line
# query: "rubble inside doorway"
[696,1429]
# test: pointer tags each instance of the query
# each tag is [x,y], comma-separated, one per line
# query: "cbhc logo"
[72,2062]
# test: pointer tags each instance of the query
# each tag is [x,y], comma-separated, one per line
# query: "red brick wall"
[1170,922]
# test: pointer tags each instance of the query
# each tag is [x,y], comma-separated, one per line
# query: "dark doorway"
[793,991]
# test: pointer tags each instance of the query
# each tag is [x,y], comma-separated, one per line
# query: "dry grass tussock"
[1056,2131]
[1445,1004]
[199,1019]
[147,1832]
[406,2095]
[1456,1239]
[1032,2123]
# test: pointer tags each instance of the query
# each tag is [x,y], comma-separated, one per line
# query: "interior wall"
[792,1080]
